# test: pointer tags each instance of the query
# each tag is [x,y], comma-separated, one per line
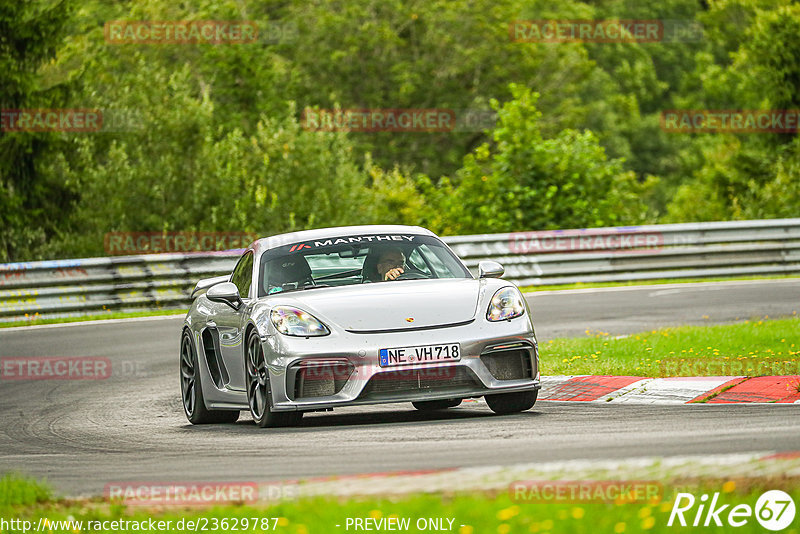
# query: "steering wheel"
[412,275]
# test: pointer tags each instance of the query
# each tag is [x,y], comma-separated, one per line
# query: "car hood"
[400,305]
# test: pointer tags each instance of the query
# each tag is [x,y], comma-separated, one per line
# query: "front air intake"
[509,364]
[321,378]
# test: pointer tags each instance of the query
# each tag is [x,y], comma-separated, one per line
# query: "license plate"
[447,352]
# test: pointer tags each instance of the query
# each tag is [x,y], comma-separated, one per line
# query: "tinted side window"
[243,275]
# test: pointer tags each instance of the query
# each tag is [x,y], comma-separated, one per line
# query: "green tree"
[744,176]
[526,181]
[32,206]
[429,54]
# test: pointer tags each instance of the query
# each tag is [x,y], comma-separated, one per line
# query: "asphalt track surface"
[82,435]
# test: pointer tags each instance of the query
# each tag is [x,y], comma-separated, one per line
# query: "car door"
[231,324]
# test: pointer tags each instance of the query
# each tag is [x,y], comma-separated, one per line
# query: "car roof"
[274,241]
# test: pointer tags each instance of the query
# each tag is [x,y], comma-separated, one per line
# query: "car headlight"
[293,322]
[506,304]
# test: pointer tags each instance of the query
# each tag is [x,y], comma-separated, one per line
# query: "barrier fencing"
[89,286]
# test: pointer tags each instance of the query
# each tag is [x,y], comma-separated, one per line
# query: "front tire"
[505,403]
[258,389]
[427,406]
[194,405]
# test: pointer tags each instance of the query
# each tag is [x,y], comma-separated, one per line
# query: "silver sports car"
[313,320]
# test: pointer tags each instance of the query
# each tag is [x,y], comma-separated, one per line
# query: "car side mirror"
[490,269]
[227,293]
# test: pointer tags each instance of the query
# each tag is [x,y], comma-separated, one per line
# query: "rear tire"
[505,403]
[194,405]
[427,406]
[259,394]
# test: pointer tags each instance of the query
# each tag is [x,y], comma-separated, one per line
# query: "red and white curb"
[672,390]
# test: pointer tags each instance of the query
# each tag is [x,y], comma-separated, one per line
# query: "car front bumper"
[342,369]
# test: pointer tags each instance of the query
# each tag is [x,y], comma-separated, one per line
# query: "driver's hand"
[392,274]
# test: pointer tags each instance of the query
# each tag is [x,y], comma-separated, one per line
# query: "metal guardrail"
[164,281]
[63,288]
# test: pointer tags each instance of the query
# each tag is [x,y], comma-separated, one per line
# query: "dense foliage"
[210,137]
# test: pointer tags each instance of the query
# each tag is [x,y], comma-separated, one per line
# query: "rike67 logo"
[774,510]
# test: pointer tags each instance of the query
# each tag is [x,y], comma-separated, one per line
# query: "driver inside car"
[389,265]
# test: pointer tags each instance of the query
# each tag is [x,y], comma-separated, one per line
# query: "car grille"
[429,380]
[509,364]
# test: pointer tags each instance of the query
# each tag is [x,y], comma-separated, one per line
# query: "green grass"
[751,348]
[34,320]
[472,513]
[579,285]
[16,489]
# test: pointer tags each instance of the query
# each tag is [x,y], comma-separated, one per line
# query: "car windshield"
[358,259]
